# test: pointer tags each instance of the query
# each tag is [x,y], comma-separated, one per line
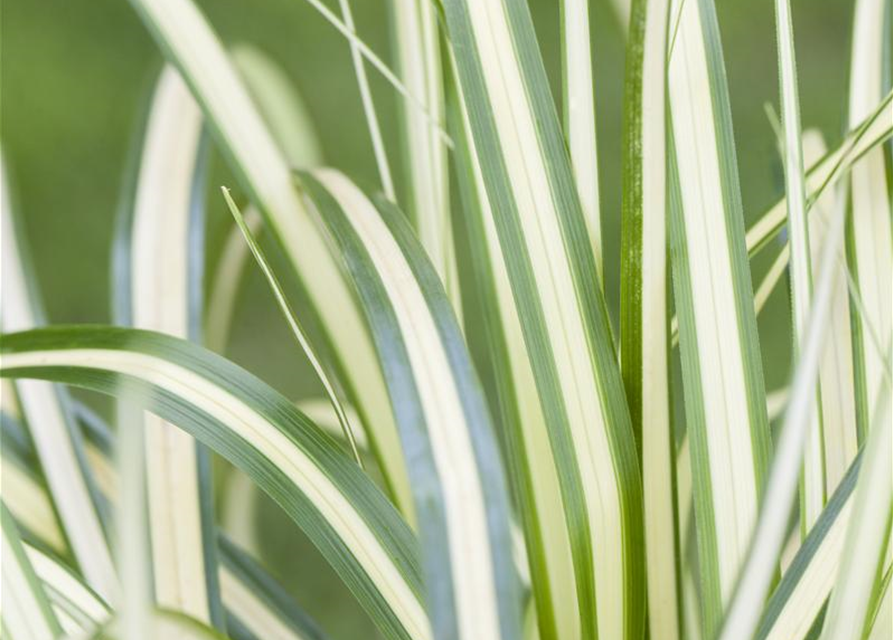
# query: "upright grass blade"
[167,233]
[644,307]
[530,459]
[578,99]
[454,465]
[189,44]
[744,611]
[868,534]
[415,29]
[381,156]
[259,431]
[44,407]
[812,482]
[27,614]
[722,372]
[551,268]
[870,235]
[839,425]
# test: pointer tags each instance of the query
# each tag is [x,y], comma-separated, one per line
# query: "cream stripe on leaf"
[254,601]
[454,464]
[578,100]
[416,33]
[27,614]
[530,460]
[839,425]
[246,142]
[552,271]
[167,234]
[812,480]
[803,590]
[722,372]
[644,319]
[871,237]
[45,409]
[259,431]
[868,534]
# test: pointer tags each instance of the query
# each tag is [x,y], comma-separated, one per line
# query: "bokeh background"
[75,78]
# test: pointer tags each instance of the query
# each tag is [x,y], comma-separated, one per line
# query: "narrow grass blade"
[416,36]
[552,271]
[644,308]
[868,534]
[722,372]
[454,466]
[839,425]
[27,614]
[744,611]
[189,43]
[167,234]
[523,425]
[44,407]
[812,481]
[871,247]
[259,431]
[882,623]
[381,156]
[578,98]
[295,326]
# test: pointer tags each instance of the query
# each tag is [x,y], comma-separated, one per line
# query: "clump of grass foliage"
[565,499]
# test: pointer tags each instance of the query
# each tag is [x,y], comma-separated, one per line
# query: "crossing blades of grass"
[722,372]
[416,35]
[246,142]
[812,481]
[259,431]
[167,261]
[27,613]
[548,258]
[870,256]
[44,406]
[644,308]
[453,462]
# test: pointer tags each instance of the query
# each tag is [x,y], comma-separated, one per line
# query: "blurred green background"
[75,79]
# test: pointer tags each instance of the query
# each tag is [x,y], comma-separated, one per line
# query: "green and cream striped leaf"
[259,431]
[743,612]
[644,308]
[545,244]
[803,590]
[882,623]
[867,135]
[45,410]
[27,613]
[871,237]
[455,469]
[722,371]
[812,481]
[839,425]
[824,173]
[868,534]
[416,36]
[166,264]
[523,429]
[78,608]
[189,43]
[257,606]
[578,99]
